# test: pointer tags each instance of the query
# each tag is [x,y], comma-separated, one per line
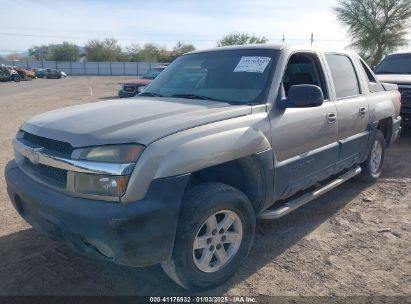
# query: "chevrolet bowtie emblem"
[33,154]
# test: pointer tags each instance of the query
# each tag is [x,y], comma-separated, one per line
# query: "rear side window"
[343,75]
[373,85]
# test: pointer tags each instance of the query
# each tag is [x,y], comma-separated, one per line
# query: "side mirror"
[303,96]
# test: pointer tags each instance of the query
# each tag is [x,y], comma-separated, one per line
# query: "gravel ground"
[355,240]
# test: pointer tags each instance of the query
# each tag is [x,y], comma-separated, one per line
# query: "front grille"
[129,89]
[49,144]
[405,97]
[51,175]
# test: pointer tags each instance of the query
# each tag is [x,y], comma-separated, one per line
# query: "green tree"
[376,27]
[65,52]
[133,52]
[105,50]
[241,38]
[40,52]
[182,48]
[150,52]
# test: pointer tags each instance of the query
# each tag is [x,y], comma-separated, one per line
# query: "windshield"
[237,76]
[151,74]
[395,64]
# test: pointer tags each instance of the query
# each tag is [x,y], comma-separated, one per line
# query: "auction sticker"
[252,64]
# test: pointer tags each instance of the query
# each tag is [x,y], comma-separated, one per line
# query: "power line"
[282,39]
[158,40]
[83,37]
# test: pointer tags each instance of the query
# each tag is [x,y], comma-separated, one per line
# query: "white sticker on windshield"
[252,64]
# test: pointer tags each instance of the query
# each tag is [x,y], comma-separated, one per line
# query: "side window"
[343,75]
[304,68]
[373,84]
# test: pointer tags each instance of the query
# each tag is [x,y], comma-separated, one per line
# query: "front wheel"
[215,233]
[372,167]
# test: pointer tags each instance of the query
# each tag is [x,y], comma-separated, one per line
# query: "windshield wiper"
[150,94]
[386,72]
[193,96]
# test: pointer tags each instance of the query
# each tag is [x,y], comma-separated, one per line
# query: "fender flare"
[212,150]
[382,110]
[192,150]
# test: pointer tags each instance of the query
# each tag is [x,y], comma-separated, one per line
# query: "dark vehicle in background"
[396,68]
[132,88]
[48,73]
[9,74]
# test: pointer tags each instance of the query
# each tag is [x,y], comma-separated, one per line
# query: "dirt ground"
[355,240]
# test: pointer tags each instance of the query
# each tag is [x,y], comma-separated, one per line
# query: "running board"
[305,198]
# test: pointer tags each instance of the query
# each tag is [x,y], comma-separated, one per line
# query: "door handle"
[331,118]
[362,111]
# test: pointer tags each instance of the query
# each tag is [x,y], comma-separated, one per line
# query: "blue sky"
[26,23]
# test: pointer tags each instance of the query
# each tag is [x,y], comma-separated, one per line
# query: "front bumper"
[138,233]
[406,117]
[122,94]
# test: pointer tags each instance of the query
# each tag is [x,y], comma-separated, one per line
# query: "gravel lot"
[355,240]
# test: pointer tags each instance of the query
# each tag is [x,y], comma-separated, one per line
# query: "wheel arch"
[385,126]
[248,174]
[201,148]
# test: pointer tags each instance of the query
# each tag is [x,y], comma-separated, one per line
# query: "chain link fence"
[88,68]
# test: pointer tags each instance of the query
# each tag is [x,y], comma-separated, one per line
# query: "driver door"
[304,140]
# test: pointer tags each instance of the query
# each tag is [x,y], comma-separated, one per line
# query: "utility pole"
[283,38]
[312,38]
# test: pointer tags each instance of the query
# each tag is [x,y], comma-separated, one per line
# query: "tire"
[16,78]
[373,165]
[201,203]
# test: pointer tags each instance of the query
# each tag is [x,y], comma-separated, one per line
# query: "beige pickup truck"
[179,174]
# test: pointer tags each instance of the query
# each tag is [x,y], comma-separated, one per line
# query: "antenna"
[312,38]
[283,38]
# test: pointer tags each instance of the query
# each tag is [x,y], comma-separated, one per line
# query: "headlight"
[141,89]
[106,185]
[113,154]
[103,184]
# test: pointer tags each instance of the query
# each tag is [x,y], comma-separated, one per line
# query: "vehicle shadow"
[398,155]
[108,98]
[32,264]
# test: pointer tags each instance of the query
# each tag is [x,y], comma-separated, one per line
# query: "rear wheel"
[215,233]
[372,167]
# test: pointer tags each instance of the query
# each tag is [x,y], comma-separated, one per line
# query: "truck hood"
[140,81]
[141,120]
[395,78]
